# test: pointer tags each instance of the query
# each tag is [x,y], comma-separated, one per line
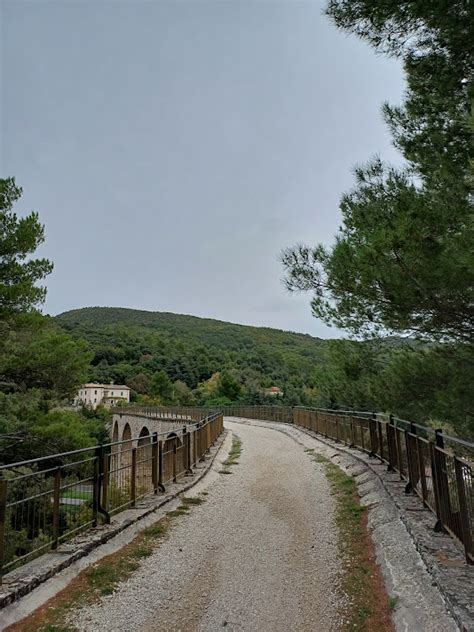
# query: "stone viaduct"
[132,428]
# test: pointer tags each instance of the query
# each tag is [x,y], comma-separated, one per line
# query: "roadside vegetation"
[103,577]
[367,607]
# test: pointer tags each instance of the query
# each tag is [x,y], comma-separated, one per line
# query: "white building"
[107,395]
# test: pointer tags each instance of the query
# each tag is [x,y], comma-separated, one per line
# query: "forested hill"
[134,346]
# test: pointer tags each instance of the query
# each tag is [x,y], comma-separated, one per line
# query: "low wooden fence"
[46,501]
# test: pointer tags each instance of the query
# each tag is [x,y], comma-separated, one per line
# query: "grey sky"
[174,148]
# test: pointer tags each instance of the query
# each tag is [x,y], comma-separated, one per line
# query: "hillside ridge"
[156,316]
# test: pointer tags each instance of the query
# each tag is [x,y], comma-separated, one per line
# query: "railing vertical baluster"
[442,481]
[3,518]
[174,461]
[399,452]
[379,431]
[464,512]
[160,465]
[421,470]
[96,484]
[105,483]
[195,446]
[56,494]
[154,462]
[133,479]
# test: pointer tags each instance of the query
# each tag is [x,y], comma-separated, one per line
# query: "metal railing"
[267,413]
[46,501]
[437,467]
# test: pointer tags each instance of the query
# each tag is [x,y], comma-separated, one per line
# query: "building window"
[95,393]
[95,400]
[121,393]
[112,394]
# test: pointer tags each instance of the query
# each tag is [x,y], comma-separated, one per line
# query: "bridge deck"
[254,556]
[261,555]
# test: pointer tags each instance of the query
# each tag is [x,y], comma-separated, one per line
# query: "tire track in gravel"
[259,554]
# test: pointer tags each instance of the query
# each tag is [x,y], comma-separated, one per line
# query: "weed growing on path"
[234,454]
[368,605]
[192,500]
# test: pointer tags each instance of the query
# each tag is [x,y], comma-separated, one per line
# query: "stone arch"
[144,437]
[126,451]
[127,432]
[144,462]
[173,435]
[114,452]
[173,441]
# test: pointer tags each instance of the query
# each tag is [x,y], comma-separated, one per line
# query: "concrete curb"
[25,579]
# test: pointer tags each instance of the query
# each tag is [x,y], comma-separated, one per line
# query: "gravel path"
[259,554]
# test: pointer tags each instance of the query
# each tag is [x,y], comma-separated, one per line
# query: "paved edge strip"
[458,598]
[99,535]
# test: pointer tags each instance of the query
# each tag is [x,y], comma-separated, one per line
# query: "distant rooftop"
[94,385]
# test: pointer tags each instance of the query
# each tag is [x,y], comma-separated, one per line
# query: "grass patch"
[143,551]
[234,455]
[157,530]
[77,494]
[102,578]
[192,500]
[368,605]
[393,602]
[182,510]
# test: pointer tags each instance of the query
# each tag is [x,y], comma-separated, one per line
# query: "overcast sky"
[173,149]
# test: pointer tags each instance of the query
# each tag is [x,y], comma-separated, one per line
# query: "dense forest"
[171,358]
[176,359]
